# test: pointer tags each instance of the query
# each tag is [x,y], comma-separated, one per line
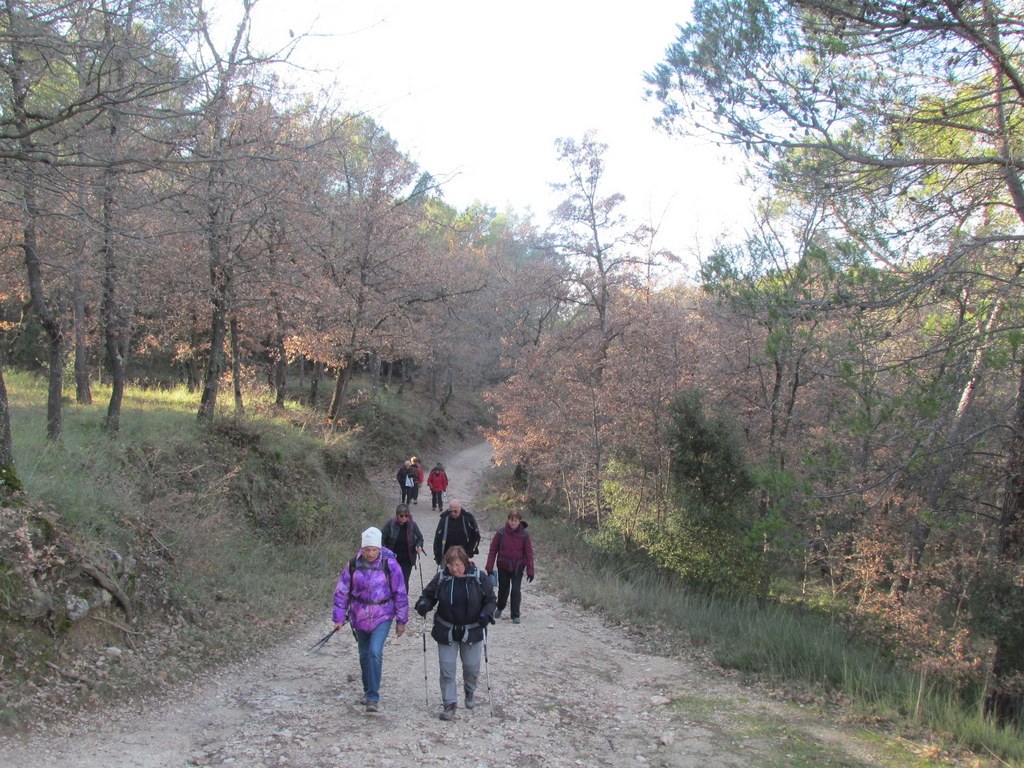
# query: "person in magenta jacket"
[512,551]
[370,596]
[437,482]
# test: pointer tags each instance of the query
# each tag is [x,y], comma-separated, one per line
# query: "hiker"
[512,551]
[406,478]
[370,596]
[417,479]
[456,527]
[465,606]
[437,482]
[402,536]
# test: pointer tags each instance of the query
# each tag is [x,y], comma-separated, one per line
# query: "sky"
[477,92]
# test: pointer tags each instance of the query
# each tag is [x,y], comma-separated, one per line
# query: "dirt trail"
[561,689]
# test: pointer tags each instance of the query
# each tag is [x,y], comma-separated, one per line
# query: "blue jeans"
[371,658]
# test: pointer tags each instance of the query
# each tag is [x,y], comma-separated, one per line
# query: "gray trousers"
[448,658]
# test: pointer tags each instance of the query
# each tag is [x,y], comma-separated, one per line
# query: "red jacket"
[438,480]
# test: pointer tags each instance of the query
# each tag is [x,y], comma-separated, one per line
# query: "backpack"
[386,569]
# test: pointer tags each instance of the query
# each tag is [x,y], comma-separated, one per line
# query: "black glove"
[421,607]
[529,579]
[486,619]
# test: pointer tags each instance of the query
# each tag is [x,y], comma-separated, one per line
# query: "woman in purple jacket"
[371,595]
[512,551]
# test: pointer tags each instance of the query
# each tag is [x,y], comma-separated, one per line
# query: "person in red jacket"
[437,482]
[512,551]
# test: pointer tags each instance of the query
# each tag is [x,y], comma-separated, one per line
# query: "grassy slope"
[221,536]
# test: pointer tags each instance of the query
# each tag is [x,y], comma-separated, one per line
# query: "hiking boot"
[371,706]
[469,701]
[449,712]
[497,614]
[516,620]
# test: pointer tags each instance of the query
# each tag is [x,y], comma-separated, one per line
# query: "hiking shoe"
[497,614]
[469,701]
[516,620]
[371,706]
[449,712]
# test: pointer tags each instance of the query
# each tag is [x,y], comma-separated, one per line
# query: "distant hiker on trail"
[456,527]
[371,595]
[512,550]
[417,479]
[437,482]
[403,537]
[406,478]
[465,606]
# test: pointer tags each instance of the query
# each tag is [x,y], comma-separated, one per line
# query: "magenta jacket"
[374,593]
[512,550]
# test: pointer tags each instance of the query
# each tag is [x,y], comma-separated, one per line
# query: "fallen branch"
[70,675]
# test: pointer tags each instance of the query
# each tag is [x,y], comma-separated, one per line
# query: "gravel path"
[560,689]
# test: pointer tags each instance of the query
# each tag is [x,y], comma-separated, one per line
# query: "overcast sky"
[477,93]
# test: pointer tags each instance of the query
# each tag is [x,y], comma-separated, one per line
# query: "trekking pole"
[423,631]
[487,675]
[321,642]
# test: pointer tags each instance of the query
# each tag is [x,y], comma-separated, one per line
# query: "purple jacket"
[373,594]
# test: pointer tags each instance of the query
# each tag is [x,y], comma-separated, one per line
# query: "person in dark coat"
[406,478]
[512,551]
[456,527]
[403,537]
[464,598]
[417,476]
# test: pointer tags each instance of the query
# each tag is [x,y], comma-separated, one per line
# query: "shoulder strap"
[387,573]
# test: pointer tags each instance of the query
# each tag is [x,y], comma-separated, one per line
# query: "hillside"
[562,689]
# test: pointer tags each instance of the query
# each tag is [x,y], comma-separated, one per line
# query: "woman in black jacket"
[465,604]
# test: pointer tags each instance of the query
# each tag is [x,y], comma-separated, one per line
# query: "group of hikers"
[410,478]
[373,590]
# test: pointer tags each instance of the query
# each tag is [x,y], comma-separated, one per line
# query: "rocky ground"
[561,689]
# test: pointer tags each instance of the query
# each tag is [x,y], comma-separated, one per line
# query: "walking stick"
[321,642]
[423,632]
[487,675]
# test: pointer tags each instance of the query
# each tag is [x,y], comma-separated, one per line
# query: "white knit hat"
[371,537]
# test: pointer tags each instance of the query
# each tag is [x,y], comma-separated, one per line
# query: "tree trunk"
[9,482]
[340,390]
[236,367]
[215,364]
[83,392]
[314,385]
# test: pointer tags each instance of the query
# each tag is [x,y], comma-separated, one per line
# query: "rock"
[37,605]
[667,738]
[660,701]
[76,606]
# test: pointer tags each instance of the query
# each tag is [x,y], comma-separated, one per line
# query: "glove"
[529,579]
[421,607]
[486,619]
